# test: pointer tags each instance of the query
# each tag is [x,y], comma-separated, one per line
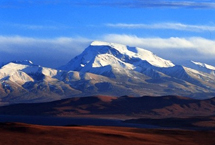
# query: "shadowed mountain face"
[117,107]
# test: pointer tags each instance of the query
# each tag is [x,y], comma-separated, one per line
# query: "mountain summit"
[102,54]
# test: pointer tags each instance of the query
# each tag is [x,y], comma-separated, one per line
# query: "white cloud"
[37,27]
[173,26]
[201,44]
[47,52]
[176,48]
[58,51]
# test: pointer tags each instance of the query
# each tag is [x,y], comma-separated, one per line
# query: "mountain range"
[105,69]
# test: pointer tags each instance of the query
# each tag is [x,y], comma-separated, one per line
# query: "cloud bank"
[47,52]
[58,51]
[173,26]
[174,48]
[201,44]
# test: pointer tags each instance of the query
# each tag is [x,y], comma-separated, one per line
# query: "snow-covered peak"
[204,65]
[121,48]
[99,43]
[12,66]
[199,66]
[113,45]
[122,53]
[19,65]
[24,62]
[151,57]
[136,52]
[27,67]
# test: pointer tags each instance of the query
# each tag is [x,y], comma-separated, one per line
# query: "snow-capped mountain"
[110,59]
[107,69]
[101,54]
[116,60]
[23,81]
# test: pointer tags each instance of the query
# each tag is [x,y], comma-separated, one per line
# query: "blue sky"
[51,32]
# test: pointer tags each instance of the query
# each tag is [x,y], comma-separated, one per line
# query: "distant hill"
[117,107]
